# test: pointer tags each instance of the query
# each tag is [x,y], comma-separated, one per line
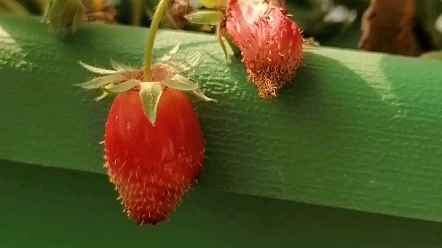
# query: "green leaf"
[13,7]
[205,17]
[150,94]
[76,20]
[64,14]
[433,55]
[179,82]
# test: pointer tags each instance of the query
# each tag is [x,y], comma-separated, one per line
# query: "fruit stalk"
[158,15]
[14,7]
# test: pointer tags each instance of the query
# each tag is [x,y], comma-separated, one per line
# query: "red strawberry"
[270,42]
[153,166]
[154,147]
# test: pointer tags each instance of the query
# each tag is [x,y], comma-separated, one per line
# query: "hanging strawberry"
[153,146]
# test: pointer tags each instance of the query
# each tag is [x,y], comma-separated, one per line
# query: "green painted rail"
[53,208]
[358,131]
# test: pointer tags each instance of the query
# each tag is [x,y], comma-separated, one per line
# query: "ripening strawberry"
[153,166]
[269,41]
[154,147]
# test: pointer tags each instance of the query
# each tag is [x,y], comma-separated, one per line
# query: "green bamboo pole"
[355,130]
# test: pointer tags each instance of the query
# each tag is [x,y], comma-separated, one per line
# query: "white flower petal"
[150,94]
[179,82]
[96,69]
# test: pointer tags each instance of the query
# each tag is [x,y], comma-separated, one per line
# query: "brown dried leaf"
[392,26]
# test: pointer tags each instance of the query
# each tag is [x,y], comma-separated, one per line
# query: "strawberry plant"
[153,146]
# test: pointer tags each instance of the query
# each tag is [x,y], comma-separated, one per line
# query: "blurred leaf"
[393,26]
[13,7]
[349,39]
[434,55]
[429,11]
[64,15]
[325,20]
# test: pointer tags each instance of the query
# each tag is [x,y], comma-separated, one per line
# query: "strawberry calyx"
[213,15]
[166,73]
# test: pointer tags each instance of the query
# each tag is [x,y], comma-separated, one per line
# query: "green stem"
[137,12]
[158,15]
[14,7]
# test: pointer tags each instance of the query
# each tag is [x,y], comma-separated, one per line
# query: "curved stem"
[158,15]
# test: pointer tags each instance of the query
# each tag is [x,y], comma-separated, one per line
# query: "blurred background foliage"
[334,23]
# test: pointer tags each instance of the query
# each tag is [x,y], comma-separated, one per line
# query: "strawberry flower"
[165,73]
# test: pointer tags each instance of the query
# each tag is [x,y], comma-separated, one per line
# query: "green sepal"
[170,54]
[188,64]
[102,96]
[118,66]
[150,94]
[179,82]
[124,86]
[214,4]
[201,96]
[209,17]
[99,82]
[99,70]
